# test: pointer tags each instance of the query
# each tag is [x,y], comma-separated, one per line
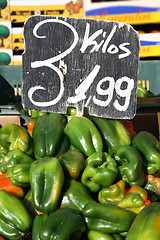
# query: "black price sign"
[71,62]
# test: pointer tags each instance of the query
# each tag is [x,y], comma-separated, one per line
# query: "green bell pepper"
[3,153]
[146,224]
[149,147]
[113,194]
[64,146]
[28,202]
[38,222]
[63,224]
[83,135]
[46,179]
[94,235]
[48,135]
[75,195]
[131,200]
[19,175]
[72,162]
[130,165]
[15,221]
[99,173]
[12,158]
[35,113]
[107,218]
[143,93]
[13,136]
[113,132]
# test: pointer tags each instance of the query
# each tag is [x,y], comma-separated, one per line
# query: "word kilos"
[104,46]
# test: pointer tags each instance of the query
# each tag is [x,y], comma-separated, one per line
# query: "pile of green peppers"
[75,172]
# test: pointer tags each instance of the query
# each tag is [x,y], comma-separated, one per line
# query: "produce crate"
[10,92]
[11,83]
[149,76]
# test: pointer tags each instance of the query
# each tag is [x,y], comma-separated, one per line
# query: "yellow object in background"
[20,10]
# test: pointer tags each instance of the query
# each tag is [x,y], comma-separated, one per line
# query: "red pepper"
[30,124]
[9,187]
[129,125]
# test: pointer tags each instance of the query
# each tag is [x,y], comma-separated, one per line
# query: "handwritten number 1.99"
[112,86]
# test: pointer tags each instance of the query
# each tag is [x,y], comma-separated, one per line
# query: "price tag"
[71,62]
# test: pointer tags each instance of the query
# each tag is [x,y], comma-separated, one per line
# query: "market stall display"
[77,160]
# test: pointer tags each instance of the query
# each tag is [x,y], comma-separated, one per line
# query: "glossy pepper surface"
[13,136]
[143,93]
[100,171]
[131,200]
[15,221]
[83,135]
[136,199]
[72,162]
[113,194]
[146,224]
[94,235]
[76,195]
[28,202]
[3,152]
[149,147]
[113,133]
[19,175]
[130,165]
[63,224]
[107,218]
[46,179]
[48,134]
[38,222]
[6,185]
[12,158]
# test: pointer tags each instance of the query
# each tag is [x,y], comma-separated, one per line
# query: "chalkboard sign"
[72,62]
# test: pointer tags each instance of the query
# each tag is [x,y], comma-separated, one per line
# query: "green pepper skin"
[149,147]
[13,136]
[48,134]
[107,218]
[35,113]
[146,224]
[12,158]
[72,162]
[101,156]
[113,133]
[76,195]
[99,173]
[28,202]
[94,235]
[130,165]
[19,175]
[113,194]
[3,153]
[38,222]
[83,135]
[143,93]
[15,221]
[63,224]
[131,200]
[46,179]
[63,147]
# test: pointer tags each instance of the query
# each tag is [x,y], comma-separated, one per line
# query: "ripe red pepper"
[9,187]
[129,125]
